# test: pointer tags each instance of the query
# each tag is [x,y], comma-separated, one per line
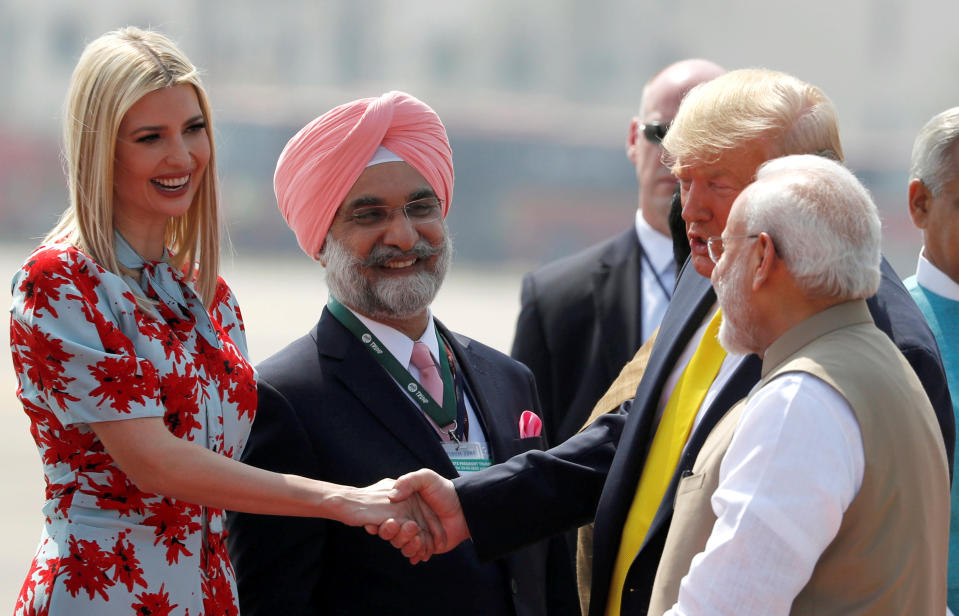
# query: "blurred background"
[537,96]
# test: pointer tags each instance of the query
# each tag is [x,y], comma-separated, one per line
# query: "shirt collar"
[130,258]
[167,284]
[658,247]
[935,280]
[398,343]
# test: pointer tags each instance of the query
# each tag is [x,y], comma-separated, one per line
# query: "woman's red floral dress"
[84,352]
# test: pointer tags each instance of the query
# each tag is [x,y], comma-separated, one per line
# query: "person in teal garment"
[934,208]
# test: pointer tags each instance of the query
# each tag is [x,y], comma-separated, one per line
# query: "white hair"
[823,223]
[932,155]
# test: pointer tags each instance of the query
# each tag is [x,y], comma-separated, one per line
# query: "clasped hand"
[423,516]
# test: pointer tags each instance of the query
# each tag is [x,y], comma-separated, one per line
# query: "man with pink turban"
[380,387]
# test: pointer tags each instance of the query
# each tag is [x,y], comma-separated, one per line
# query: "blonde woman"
[131,357]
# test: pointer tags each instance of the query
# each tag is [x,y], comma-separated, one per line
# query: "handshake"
[419,513]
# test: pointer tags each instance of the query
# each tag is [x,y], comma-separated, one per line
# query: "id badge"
[468,457]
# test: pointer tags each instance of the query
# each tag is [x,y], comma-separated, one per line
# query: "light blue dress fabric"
[84,352]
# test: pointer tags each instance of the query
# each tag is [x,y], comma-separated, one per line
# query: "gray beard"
[387,297]
[737,332]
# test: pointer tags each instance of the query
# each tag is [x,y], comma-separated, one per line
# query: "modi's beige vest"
[889,556]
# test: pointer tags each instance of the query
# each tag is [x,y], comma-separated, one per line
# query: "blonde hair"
[784,114]
[113,73]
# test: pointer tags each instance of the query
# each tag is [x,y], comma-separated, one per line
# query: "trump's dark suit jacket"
[580,321]
[597,471]
[328,411]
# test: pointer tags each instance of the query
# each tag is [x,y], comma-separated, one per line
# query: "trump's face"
[708,191]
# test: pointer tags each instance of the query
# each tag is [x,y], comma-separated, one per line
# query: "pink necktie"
[429,377]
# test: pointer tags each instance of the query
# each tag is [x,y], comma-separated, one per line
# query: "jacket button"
[514,586]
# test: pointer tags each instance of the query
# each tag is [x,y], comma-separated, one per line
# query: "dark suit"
[580,322]
[327,410]
[563,478]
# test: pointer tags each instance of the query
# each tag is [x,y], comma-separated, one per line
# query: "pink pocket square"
[530,424]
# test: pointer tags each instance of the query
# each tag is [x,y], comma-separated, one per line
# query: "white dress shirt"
[658,264]
[794,465]
[934,279]
[400,345]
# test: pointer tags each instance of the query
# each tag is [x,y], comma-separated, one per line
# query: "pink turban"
[320,164]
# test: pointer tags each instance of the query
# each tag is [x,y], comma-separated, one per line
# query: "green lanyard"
[444,416]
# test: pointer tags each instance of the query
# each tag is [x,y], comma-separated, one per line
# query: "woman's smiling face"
[162,152]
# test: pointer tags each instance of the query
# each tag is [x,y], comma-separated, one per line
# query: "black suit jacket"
[580,321]
[328,411]
[614,449]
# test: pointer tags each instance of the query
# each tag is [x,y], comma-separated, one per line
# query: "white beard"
[737,331]
[388,297]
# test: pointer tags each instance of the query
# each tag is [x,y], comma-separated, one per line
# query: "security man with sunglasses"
[380,387]
[584,316]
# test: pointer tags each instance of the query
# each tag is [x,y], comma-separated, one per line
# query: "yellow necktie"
[668,444]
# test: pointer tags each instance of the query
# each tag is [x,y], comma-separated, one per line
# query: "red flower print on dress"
[123,381]
[86,284]
[78,448]
[46,273]
[173,520]
[153,603]
[127,569]
[41,419]
[217,362]
[85,568]
[179,396]
[39,576]
[182,327]
[243,393]
[84,351]
[222,306]
[26,607]
[44,361]
[62,494]
[119,494]
[150,327]
[113,340]
[85,276]
[218,597]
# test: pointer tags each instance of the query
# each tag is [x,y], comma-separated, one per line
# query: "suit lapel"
[482,384]
[736,388]
[691,301]
[617,293]
[345,359]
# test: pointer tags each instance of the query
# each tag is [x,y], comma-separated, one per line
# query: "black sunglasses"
[654,131]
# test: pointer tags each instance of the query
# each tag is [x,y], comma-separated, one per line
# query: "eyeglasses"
[716,245]
[419,212]
[654,131]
